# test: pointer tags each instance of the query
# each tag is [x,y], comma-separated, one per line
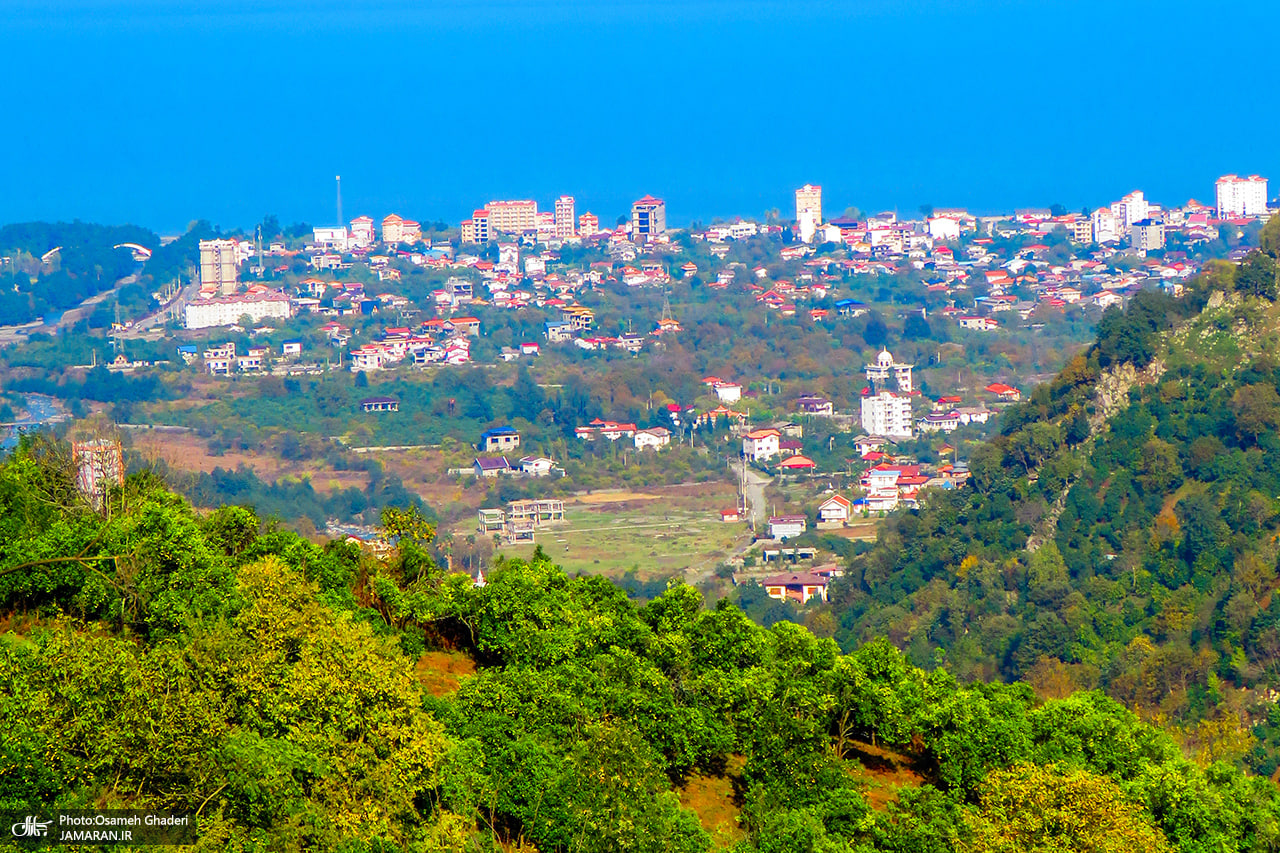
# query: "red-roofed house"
[835,510]
[761,444]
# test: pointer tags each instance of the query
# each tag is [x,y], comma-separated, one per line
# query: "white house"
[835,510]
[979,324]
[881,487]
[939,422]
[728,392]
[761,444]
[654,437]
[786,526]
[973,415]
[537,466]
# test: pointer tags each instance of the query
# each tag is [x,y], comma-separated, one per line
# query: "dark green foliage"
[224,666]
[1155,583]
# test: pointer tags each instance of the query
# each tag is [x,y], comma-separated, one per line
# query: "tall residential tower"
[808,211]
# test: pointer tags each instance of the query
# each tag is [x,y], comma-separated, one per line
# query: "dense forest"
[38,281]
[1122,530]
[292,696]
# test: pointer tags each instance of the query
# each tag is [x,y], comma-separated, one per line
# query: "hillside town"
[394,302]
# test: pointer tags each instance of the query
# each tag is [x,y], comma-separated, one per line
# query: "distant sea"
[163,111]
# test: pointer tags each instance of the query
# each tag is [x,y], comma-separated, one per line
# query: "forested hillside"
[37,281]
[299,697]
[1122,531]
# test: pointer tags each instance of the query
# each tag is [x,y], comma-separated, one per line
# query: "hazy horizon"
[161,113]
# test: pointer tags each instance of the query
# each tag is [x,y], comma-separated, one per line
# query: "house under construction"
[521,519]
[99,468]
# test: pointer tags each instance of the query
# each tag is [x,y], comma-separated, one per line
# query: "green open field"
[657,532]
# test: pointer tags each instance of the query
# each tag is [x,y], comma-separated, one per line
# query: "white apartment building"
[362,235]
[565,221]
[1104,226]
[1238,197]
[1129,210]
[944,228]
[227,310]
[887,414]
[331,237]
[808,211]
[512,217]
[218,267]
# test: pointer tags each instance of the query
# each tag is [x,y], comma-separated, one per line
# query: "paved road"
[85,309]
[755,497]
[142,327]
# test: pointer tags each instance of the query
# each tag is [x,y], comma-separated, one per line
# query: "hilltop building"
[333,238]
[1239,197]
[1104,226]
[219,270]
[808,211]
[885,366]
[396,229]
[362,236]
[476,229]
[1147,235]
[512,217]
[1128,210]
[564,221]
[648,219]
[887,414]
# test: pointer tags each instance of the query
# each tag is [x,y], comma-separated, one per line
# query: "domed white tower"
[885,366]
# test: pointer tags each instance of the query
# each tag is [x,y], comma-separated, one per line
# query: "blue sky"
[163,112]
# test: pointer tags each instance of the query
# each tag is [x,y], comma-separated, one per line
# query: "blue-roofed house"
[499,439]
[558,331]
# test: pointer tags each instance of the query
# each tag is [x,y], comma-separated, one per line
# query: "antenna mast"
[666,307]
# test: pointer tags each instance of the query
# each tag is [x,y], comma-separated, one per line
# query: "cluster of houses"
[650,438]
[434,341]
[223,360]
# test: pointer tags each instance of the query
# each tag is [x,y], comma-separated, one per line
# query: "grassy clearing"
[653,539]
[657,532]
